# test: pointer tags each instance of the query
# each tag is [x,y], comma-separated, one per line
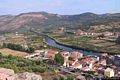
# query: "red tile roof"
[74,59]
[52,52]
[65,58]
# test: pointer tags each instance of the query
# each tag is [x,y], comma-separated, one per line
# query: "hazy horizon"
[63,7]
[58,13]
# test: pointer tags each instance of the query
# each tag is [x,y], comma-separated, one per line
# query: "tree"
[1,55]
[101,36]
[18,47]
[118,40]
[30,50]
[70,77]
[61,78]
[59,59]
[70,58]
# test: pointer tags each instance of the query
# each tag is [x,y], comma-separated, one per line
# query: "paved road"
[77,73]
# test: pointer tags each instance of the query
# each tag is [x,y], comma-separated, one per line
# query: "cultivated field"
[6,51]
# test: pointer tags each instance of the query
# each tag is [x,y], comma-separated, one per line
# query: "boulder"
[80,78]
[6,74]
[28,76]
[9,72]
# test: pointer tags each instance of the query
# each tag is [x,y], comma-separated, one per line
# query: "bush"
[59,59]
[118,40]
[38,69]
[19,64]
[70,78]
[18,47]
[61,78]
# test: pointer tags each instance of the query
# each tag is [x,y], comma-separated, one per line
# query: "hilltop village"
[101,66]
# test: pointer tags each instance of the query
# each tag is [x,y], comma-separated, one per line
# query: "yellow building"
[109,72]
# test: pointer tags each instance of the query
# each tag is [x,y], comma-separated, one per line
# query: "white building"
[77,66]
[65,61]
[90,65]
[109,72]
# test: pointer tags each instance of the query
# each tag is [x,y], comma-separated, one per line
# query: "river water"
[53,43]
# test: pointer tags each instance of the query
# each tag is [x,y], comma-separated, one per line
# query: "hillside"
[43,20]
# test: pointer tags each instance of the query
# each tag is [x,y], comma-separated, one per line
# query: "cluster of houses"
[110,36]
[100,65]
[83,33]
[106,33]
[103,65]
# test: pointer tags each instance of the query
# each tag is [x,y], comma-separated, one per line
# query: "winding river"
[53,43]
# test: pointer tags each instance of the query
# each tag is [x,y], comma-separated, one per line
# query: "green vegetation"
[36,38]
[19,64]
[70,77]
[35,41]
[59,59]
[18,47]
[70,58]
[118,40]
[88,42]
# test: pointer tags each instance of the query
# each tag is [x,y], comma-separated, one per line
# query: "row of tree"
[118,40]
[18,47]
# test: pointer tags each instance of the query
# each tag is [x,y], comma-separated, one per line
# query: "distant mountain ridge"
[42,20]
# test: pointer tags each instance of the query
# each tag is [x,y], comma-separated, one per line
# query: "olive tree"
[118,40]
[59,59]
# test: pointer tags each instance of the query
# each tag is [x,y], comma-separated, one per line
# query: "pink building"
[76,54]
[108,33]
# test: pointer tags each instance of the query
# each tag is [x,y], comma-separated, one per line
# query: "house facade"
[109,72]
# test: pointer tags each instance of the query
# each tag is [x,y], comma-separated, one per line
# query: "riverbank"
[80,48]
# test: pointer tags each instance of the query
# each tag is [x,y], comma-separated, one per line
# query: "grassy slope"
[7,51]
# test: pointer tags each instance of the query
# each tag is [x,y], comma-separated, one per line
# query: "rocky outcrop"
[6,71]
[8,74]
[28,76]
[80,78]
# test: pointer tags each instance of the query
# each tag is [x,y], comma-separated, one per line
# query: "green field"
[87,42]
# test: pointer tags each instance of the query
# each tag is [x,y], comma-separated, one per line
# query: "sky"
[64,7]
